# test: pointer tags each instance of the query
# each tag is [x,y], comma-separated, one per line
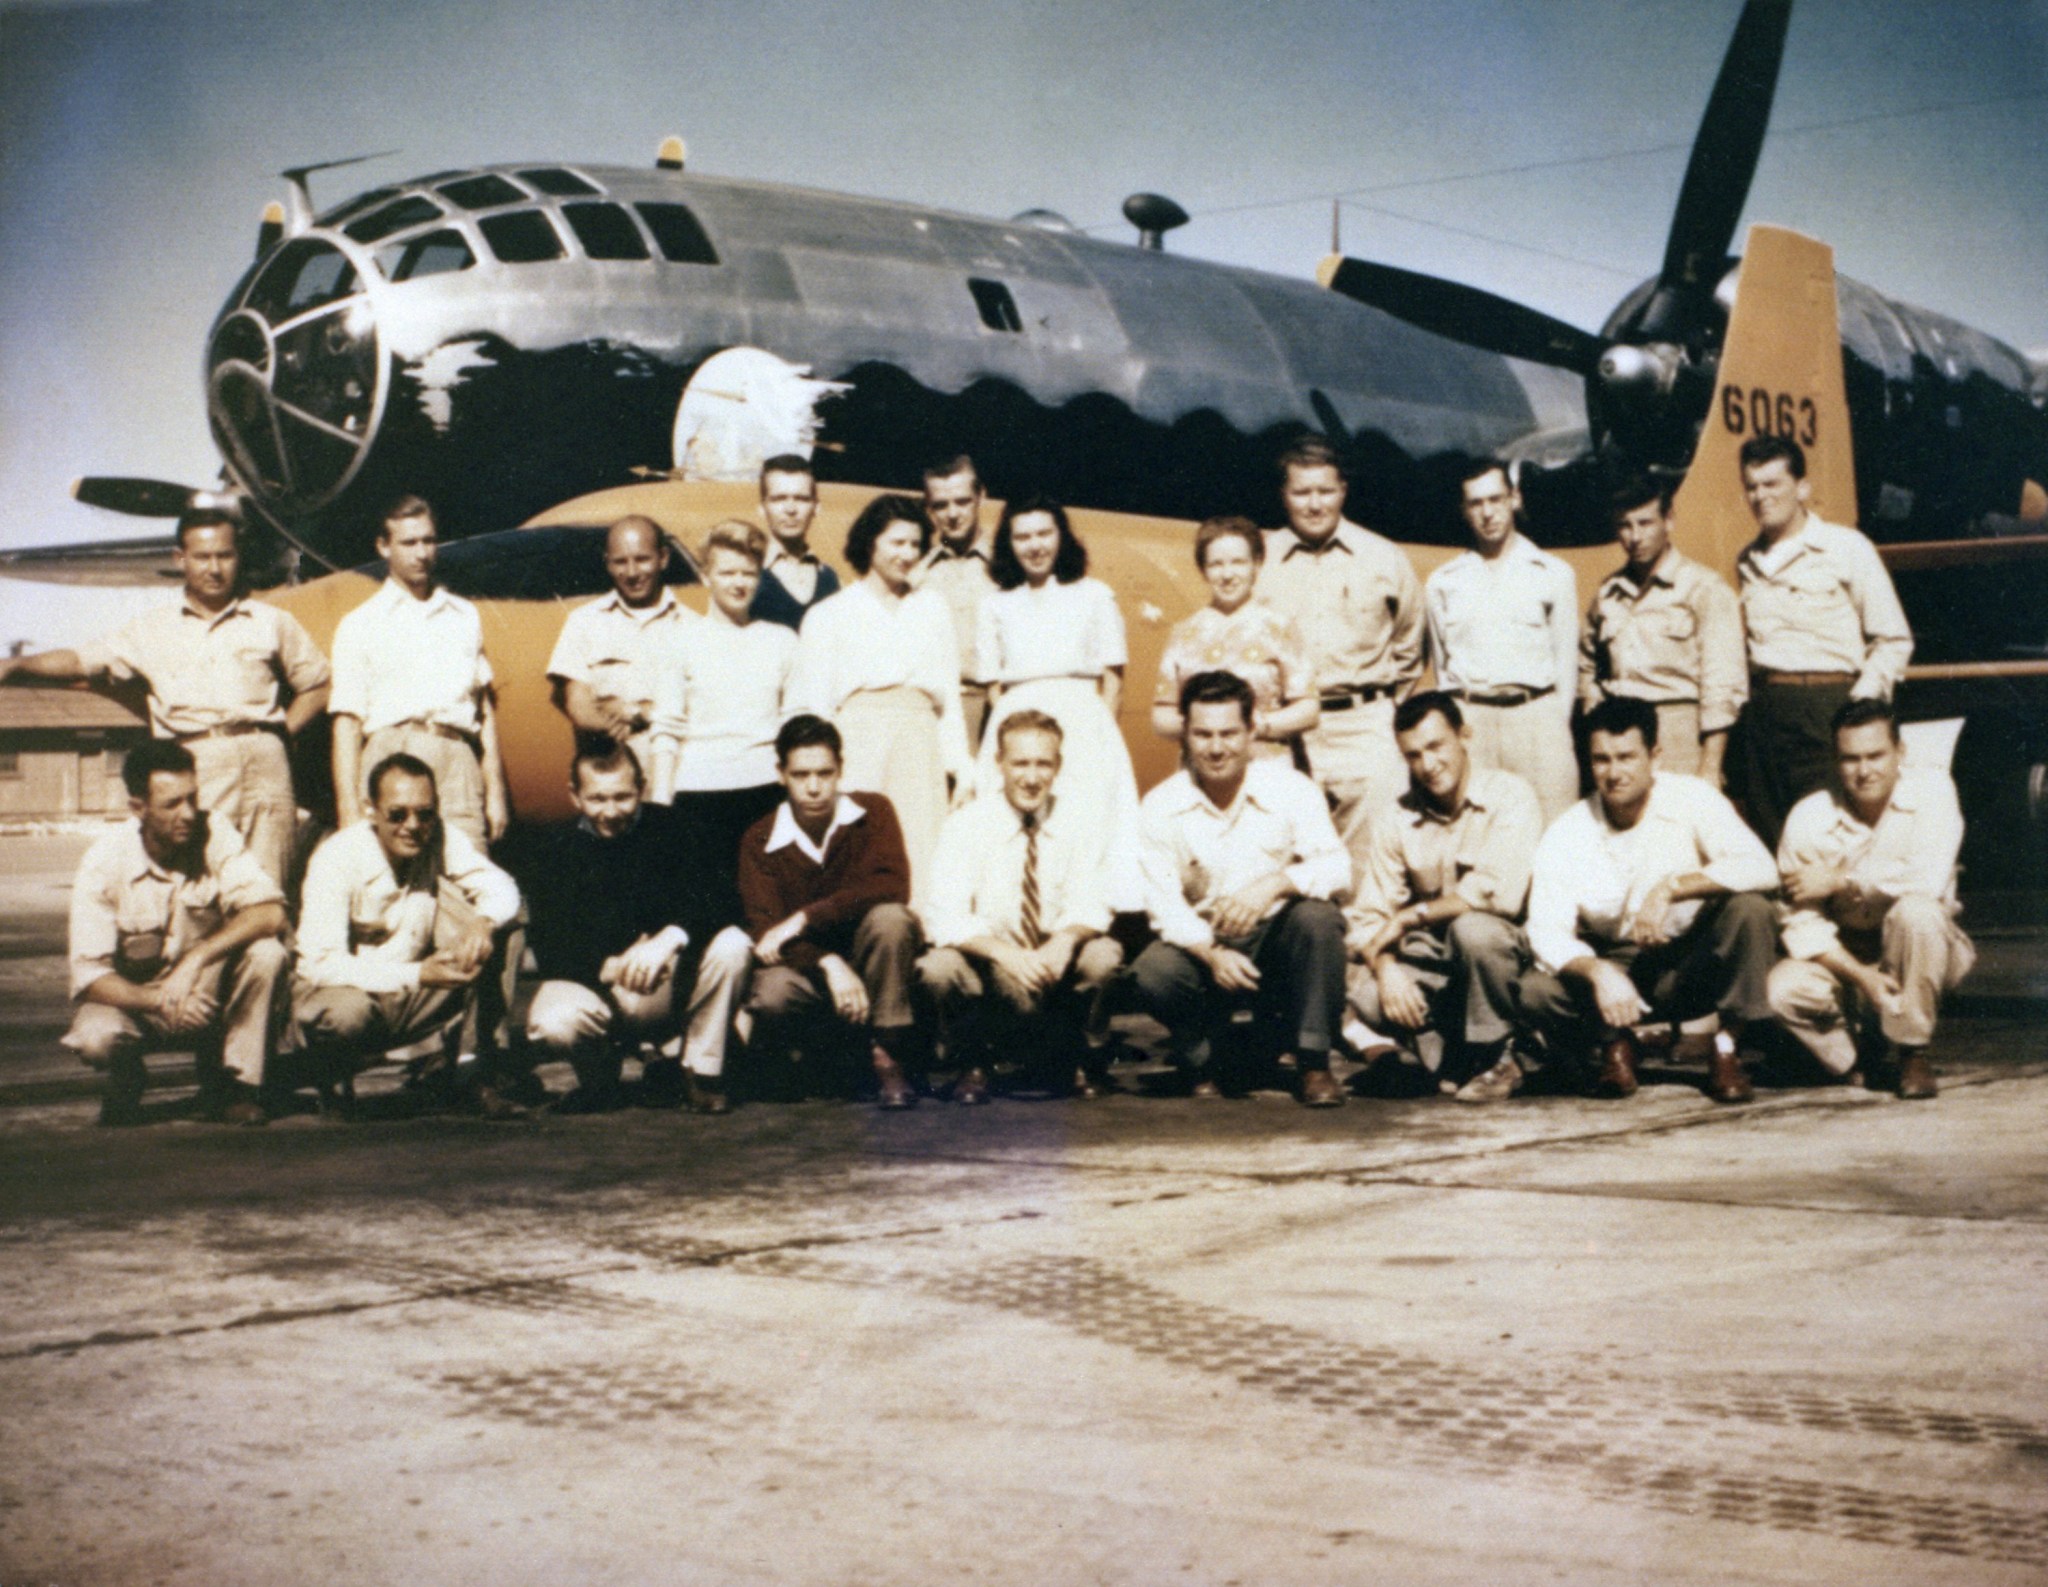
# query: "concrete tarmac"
[1137,1341]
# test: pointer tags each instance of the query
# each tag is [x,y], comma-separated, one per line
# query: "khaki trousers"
[240,1040]
[246,782]
[1534,741]
[458,775]
[1920,946]
[569,1017]
[1354,760]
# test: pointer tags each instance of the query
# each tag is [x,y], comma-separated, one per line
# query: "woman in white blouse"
[724,699]
[879,659]
[1051,639]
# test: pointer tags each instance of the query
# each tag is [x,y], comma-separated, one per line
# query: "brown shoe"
[971,1089]
[1086,1088]
[703,1094]
[1497,1084]
[1727,1079]
[1617,1076]
[1319,1089]
[1916,1075]
[893,1090]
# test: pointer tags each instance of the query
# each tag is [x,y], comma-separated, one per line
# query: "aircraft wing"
[106,563]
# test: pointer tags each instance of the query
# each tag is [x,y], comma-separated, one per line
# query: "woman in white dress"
[879,659]
[1051,639]
[724,700]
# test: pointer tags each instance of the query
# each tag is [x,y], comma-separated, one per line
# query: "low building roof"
[33,710]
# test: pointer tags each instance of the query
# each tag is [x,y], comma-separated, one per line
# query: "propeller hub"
[1640,370]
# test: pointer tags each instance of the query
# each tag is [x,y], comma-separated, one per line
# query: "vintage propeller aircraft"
[501,338]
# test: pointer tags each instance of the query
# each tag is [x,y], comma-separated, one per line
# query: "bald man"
[605,664]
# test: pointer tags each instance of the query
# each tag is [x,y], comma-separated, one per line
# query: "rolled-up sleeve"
[303,663]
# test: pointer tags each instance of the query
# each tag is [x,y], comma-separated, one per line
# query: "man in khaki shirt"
[1870,872]
[609,665]
[1504,638]
[411,677]
[175,942]
[957,566]
[229,678]
[1667,630]
[1442,877]
[1825,627]
[1355,599]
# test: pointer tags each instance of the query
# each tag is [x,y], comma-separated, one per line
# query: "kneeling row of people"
[1646,902]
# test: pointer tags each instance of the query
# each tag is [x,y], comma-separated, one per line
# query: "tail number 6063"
[1760,412]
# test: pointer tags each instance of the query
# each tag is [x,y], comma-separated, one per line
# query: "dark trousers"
[720,817]
[1299,953]
[1719,965]
[1788,747]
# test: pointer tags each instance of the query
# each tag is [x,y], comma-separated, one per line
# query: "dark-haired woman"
[1051,639]
[880,660]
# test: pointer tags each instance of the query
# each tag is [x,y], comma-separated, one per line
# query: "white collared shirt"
[1909,853]
[622,653]
[401,659]
[1590,878]
[363,925]
[1055,631]
[1195,855]
[977,885]
[855,640]
[1510,621]
[787,831]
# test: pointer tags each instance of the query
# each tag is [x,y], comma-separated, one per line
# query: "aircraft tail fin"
[1780,374]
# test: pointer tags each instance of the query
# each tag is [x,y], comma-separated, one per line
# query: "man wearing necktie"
[1017,914]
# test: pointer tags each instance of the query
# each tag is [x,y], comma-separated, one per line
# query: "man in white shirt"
[1870,873]
[402,925]
[175,934]
[1443,874]
[608,666]
[1504,636]
[1647,903]
[1824,627]
[1242,871]
[957,566]
[793,579]
[1017,914]
[410,677]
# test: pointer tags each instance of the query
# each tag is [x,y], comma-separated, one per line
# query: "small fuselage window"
[521,237]
[998,309]
[606,231]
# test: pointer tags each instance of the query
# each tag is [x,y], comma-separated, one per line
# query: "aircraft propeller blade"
[1464,313]
[1724,154]
[143,498]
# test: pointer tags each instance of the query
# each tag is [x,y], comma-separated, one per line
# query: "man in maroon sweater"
[825,892]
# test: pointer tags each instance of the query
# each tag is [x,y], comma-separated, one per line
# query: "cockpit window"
[522,237]
[677,234]
[606,231]
[562,184]
[305,274]
[481,192]
[357,205]
[436,253]
[381,223]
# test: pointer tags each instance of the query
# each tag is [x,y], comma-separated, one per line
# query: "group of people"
[876,820]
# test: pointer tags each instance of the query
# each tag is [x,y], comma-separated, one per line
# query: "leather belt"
[231,730]
[1806,680]
[1364,694]
[443,730]
[1515,695]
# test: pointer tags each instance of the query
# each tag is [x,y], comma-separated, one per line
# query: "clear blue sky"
[139,141]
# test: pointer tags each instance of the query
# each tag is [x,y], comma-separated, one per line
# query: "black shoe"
[120,1113]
